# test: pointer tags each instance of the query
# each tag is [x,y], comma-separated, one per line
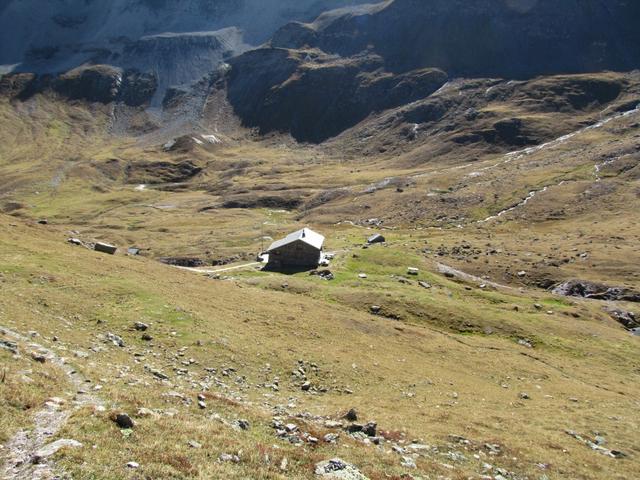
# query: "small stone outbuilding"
[298,250]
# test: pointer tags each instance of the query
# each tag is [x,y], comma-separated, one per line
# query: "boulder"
[105,248]
[627,319]
[376,238]
[123,421]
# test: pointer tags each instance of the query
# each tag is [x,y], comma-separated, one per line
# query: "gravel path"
[28,450]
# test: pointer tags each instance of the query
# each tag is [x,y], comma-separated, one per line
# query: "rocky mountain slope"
[43,36]
[481,38]
[492,334]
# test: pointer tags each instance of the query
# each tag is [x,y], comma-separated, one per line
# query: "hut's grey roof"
[305,235]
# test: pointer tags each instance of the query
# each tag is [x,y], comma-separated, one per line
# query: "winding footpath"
[28,451]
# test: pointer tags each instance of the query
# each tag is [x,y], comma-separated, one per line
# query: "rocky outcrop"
[596,291]
[95,83]
[314,96]
[100,83]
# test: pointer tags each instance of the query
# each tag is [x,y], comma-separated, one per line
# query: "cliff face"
[46,36]
[506,38]
[316,96]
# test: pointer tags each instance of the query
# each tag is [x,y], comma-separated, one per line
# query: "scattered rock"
[11,346]
[525,396]
[133,465]
[145,412]
[227,457]
[338,469]
[115,339]
[424,285]
[331,437]
[408,462]
[585,289]
[105,248]
[194,444]
[53,448]
[362,275]
[306,386]
[38,357]
[351,415]
[323,274]
[156,373]
[123,421]
[413,271]
[375,309]
[376,238]
[627,319]
[141,327]
[370,429]
[243,424]
[146,337]
[595,446]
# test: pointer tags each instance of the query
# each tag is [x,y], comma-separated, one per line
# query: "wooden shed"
[301,249]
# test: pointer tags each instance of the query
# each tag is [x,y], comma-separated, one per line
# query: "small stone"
[413,271]
[351,415]
[133,465]
[194,444]
[424,285]
[141,327]
[146,337]
[306,386]
[202,405]
[525,396]
[375,309]
[227,457]
[370,429]
[291,427]
[332,424]
[115,339]
[522,274]
[408,462]
[362,275]
[243,424]
[331,437]
[145,412]
[38,357]
[124,421]
[337,468]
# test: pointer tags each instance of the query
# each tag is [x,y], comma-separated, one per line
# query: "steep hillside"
[482,38]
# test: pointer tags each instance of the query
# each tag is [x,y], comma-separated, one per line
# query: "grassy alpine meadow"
[467,367]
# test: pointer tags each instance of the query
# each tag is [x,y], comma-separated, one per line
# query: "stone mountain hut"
[301,249]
